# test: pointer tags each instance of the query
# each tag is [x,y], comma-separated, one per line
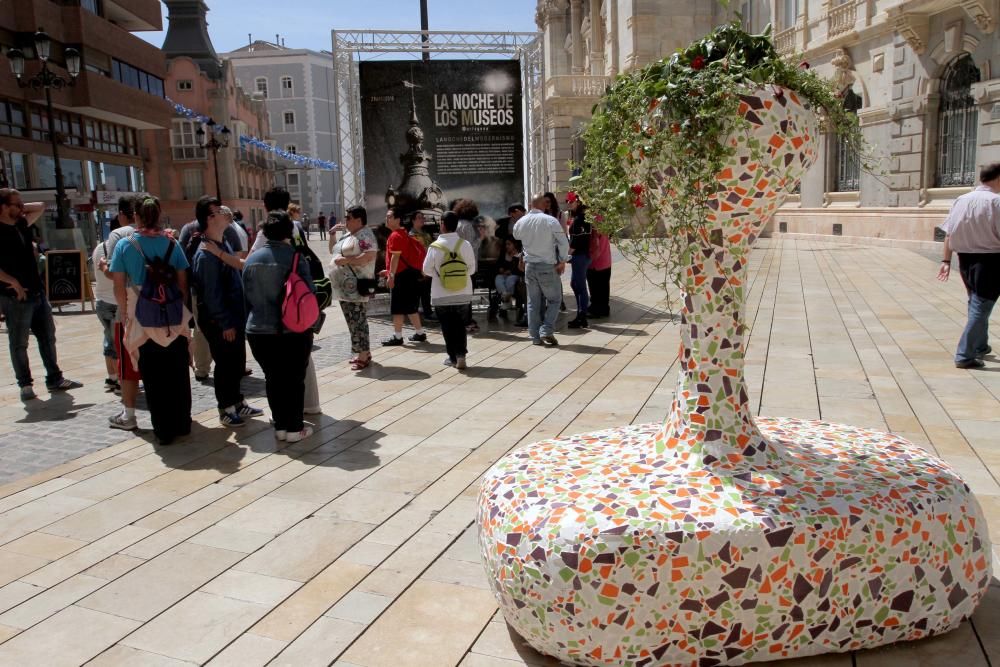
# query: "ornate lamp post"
[213,144]
[46,80]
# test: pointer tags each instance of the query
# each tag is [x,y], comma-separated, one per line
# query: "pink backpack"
[300,309]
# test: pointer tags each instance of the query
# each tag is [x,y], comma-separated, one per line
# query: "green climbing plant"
[679,114]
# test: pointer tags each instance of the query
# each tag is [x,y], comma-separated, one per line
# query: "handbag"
[366,286]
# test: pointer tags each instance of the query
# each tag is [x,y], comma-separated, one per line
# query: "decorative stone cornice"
[912,27]
[546,9]
[977,11]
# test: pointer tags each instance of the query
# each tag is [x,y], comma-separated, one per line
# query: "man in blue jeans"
[973,231]
[22,299]
[546,249]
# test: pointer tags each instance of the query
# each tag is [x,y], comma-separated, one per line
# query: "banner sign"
[470,116]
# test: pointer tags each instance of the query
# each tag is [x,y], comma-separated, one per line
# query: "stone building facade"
[297,87]
[917,72]
[178,169]
[98,121]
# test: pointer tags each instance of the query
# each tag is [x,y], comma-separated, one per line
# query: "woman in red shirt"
[404,257]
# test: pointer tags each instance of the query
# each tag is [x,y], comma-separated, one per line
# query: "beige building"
[917,72]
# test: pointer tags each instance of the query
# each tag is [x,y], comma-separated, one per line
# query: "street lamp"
[46,80]
[214,144]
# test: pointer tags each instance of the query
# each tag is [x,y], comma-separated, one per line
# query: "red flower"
[637,189]
[598,218]
[698,62]
[675,128]
[638,203]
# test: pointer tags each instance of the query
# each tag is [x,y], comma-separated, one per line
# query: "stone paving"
[357,545]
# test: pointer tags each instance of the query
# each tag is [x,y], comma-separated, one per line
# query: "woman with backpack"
[282,352]
[353,277]
[149,270]
[450,263]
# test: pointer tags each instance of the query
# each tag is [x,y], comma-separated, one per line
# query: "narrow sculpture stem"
[710,420]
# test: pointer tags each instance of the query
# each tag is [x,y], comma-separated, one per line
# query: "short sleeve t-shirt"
[411,256]
[126,259]
[17,257]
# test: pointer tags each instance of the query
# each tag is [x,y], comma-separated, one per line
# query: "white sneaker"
[448,362]
[300,435]
[281,435]
[460,363]
[121,422]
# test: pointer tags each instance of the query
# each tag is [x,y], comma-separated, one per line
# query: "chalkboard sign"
[64,276]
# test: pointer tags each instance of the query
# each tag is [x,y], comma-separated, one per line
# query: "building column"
[552,23]
[596,39]
[576,19]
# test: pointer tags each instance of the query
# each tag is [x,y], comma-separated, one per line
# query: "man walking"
[22,299]
[450,263]
[546,250]
[321,223]
[973,231]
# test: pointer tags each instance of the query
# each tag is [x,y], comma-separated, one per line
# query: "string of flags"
[248,140]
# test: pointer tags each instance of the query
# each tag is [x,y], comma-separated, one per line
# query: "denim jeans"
[578,281]
[975,338]
[33,315]
[106,313]
[230,360]
[544,297]
[507,284]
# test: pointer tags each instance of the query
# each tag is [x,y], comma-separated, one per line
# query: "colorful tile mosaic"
[716,539]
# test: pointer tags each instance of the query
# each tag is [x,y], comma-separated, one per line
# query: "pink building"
[178,169]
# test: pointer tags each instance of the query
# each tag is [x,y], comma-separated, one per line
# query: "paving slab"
[357,546]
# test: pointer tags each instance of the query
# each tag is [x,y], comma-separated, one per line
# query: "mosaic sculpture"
[715,538]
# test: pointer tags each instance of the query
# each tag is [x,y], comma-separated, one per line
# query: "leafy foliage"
[678,113]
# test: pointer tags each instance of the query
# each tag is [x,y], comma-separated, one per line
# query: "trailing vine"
[679,114]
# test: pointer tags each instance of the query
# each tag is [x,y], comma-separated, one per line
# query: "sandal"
[361,364]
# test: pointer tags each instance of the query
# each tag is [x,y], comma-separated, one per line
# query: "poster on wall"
[442,130]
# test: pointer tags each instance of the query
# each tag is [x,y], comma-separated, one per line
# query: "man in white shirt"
[546,249]
[973,231]
[446,260]
[104,288]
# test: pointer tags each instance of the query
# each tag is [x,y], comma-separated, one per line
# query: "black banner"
[471,118]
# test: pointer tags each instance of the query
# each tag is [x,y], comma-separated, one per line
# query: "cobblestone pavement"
[43,444]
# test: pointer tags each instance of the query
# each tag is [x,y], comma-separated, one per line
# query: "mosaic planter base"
[716,538]
[602,552]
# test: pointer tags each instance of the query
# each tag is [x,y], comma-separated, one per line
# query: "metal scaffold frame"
[349,47]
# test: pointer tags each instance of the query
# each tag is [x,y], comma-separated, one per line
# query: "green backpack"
[454,271]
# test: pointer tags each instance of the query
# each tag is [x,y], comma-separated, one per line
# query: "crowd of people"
[197,299]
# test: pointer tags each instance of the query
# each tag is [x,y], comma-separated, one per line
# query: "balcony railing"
[784,41]
[577,85]
[841,19]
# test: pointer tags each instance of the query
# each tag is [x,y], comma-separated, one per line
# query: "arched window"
[848,176]
[958,124]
